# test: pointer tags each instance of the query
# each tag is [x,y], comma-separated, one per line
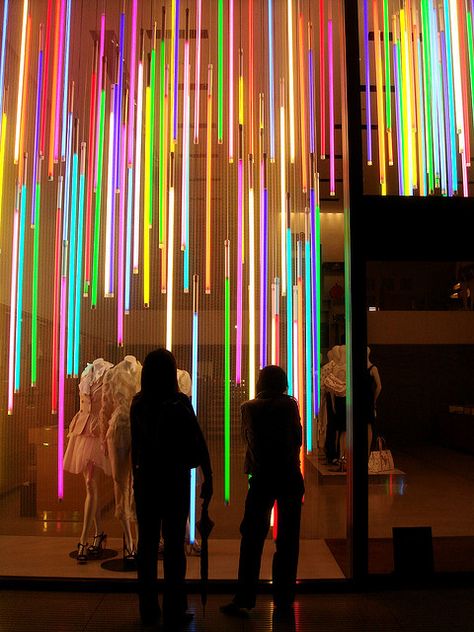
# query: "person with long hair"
[272,430]
[166,443]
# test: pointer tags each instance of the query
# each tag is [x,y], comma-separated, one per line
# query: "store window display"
[85,454]
[120,386]
[334,389]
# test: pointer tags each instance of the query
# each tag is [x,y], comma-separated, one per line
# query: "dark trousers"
[166,515]
[262,494]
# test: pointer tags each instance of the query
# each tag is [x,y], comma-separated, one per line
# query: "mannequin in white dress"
[120,386]
[84,454]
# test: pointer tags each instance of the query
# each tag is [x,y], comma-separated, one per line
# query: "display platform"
[330,474]
[48,556]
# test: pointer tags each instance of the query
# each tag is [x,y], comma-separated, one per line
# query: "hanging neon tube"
[282,188]
[3,54]
[59,82]
[197,70]
[231,81]
[170,281]
[185,168]
[56,300]
[208,180]
[332,174]
[13,287]
[227,373]
[21,73]
[271,86]
[291,86]
[194,400]
[19,289]
[220,71]
[93,114]
[138,157]
[109,230]
[66,79]
[80,241]
[251,286]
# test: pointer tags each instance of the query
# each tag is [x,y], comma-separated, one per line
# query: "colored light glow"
[271,87]
[122,242]
[61,387]
[380,101]
[291,87]
[151,140]
[21,74]
[289,310]
[293,326]
[19,292]
[138,154]
[303,119]
[133,67]
[231,81]
[34,285]
[100,85]
[227,373]
[250,77]
[388,100]
[315,292]
[308,341]
[98,195]
[220,71]
[312,144]
[208,180]
[458,97]
[170,280]
[66,78]
[322,81]
[275,350]
[46,77]
[146,204]
[72,263]
[173,73]
[185,169]
[13,313]
[119,105]
[252,310]
[54,83]
[110,228]
[80,241]
[3,133]
[163,144]
[197,70]
[332,173]
[128,254]
[24,113]
[174,107]
[56,301]
[239,307]
[95,87]
[194,377]
[368,110]
[406,104]
[282,187]
[59,81]
[3,53]
[37,126]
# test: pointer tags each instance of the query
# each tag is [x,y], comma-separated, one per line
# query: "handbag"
[381,460]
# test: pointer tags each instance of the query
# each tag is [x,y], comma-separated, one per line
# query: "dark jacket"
[272,430]
[167,440]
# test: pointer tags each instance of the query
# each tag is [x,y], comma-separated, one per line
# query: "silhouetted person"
[272,430]
[166,443]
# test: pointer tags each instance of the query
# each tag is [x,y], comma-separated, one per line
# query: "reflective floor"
[427,610]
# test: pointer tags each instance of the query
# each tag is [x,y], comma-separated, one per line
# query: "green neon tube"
[34,292]
[227,379]
[152,133]
[386,43]
[471,56]
[161,236]
[220,73]
[98,196]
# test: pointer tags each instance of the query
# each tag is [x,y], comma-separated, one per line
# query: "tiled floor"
[427,610]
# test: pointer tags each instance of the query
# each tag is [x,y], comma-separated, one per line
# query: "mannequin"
[335,384]
[120,386]
[84,454]
[326,429]
[374,386]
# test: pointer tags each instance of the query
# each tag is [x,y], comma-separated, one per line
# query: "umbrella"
[205,526]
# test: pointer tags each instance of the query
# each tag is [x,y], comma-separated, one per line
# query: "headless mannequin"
[374,372]
[84,454]
[120,386]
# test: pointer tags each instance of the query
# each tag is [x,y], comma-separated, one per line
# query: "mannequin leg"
[342,448]
[121,473]
[90,504]
[369,439]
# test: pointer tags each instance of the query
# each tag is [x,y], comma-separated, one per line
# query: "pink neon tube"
[121,243]
[231,80]
[99,94]
[197,75]
[184,180]
[62,378]
[138,155]
[59,82]
[332,177]
[133,63]
[238,342]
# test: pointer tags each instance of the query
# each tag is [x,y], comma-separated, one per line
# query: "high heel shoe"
[98,544]
[342,464]
[82,553]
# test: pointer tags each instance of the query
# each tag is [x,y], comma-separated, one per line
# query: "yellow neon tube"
[21,74]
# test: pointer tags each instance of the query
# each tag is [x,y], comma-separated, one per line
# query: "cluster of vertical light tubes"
[419,57]
[110,204]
